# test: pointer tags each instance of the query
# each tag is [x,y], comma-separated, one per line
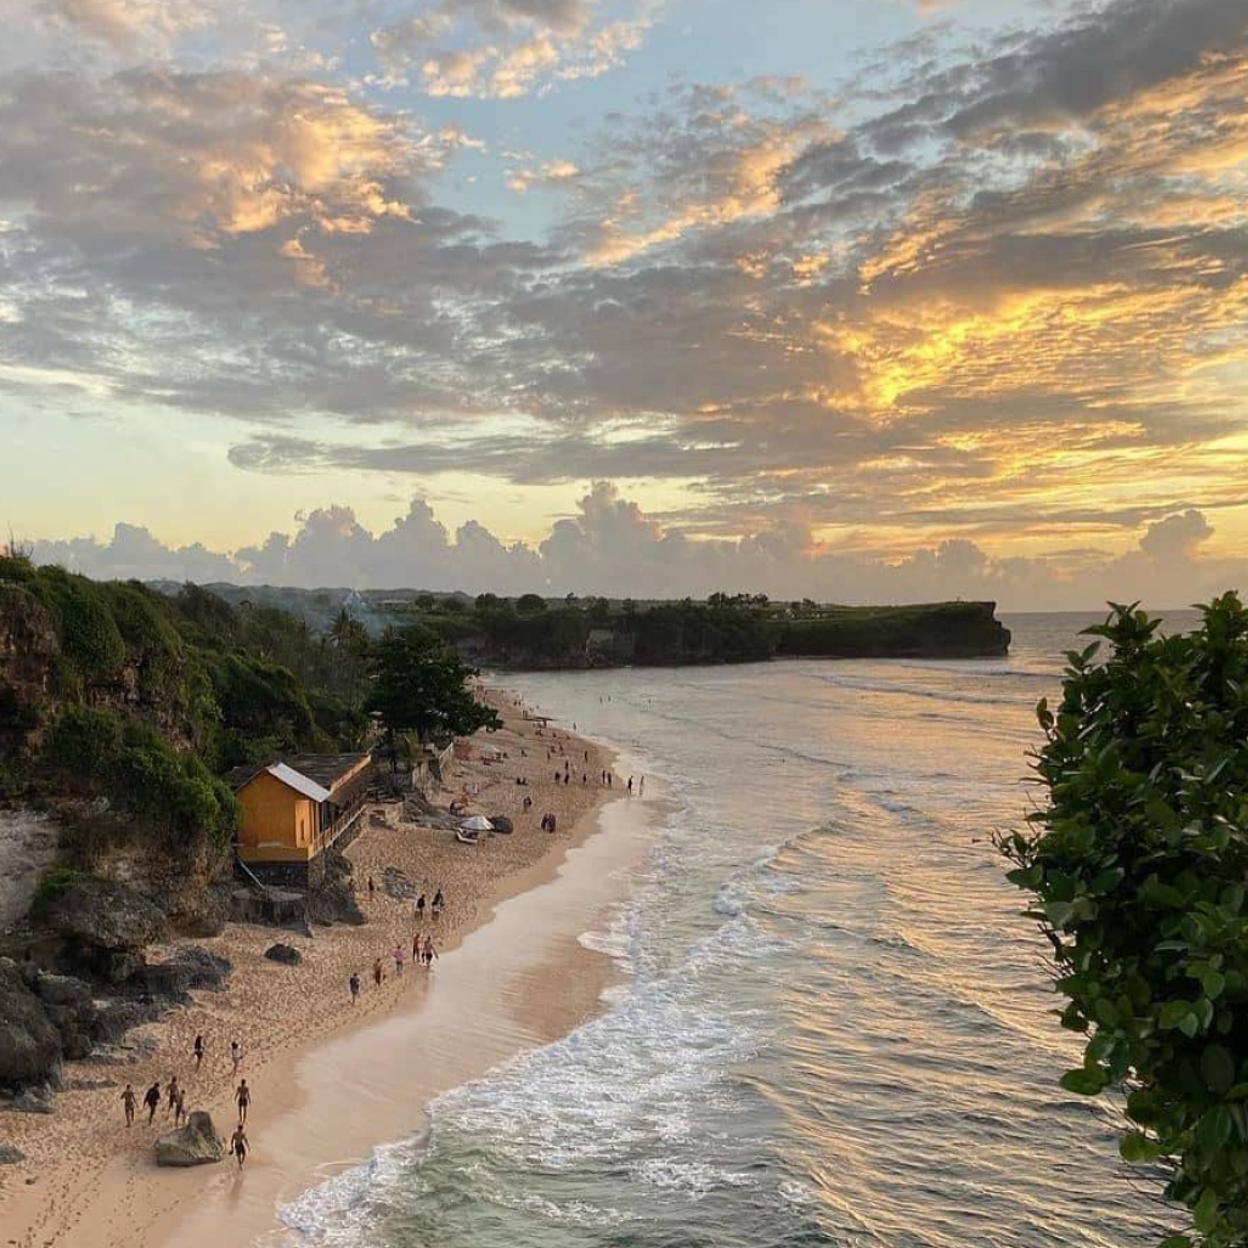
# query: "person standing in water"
[238,1144]
[128,1102]
[242,1095]
[429,953]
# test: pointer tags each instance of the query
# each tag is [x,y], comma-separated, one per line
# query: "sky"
[856,300]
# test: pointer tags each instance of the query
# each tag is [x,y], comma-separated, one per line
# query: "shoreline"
[336,1083]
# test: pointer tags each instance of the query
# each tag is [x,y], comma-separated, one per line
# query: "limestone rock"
[36,1099]
[10,1156]
[30,1045]
[172,980]
[195,1144]
[107,922]
[70,1006]
[288,955]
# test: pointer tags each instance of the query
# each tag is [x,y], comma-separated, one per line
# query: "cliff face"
[944,630]
[28,653]
[683,634]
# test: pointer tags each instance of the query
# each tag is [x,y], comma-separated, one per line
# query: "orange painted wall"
[275,819]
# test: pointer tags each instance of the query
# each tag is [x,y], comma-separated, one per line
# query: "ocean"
[833,1027]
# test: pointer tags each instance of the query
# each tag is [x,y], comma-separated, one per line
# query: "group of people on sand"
[424,951]
[173,1097]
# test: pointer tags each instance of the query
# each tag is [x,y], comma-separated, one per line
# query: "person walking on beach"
[198,1049]
[236,1054]
[179,1107]
[420,908]
[128,1103]
[238,1144]
[242,1094]
[378,973]
[372,888]
[641,787]
[630,786]
[439,904]
[151,1098]
[429,953]
[354,984]
[172,1093]
[399,958]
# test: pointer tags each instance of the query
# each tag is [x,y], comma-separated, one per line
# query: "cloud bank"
[611,547]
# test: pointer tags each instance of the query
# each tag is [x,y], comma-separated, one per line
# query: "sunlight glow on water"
[836,1027]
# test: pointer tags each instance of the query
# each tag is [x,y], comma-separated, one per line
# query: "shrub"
[88,632]
[83,744]
[1138,862]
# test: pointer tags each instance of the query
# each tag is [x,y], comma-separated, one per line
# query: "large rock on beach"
[70,1006]
[288,955]
[334,902]
[30,1044]
[195,1144]
[106,923]
[173,979]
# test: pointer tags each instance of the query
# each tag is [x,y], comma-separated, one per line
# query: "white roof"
[296,780]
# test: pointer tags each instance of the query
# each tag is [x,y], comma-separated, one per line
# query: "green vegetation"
[740,628]
[1138,863]
[116,691]
[421,687]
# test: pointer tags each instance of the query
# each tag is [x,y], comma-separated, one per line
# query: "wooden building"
[295,808]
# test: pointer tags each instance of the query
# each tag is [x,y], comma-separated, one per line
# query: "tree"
[530,604]
[420,685]
[1138,863]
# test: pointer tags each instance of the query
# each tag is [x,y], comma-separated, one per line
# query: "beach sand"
[331,1080]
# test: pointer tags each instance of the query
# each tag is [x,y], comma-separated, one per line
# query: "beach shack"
[294,808]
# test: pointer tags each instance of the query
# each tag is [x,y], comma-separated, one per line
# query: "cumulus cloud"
[995,293]
[611,547]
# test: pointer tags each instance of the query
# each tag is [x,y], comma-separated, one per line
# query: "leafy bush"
[1138,862]
[88,632]
[83,744]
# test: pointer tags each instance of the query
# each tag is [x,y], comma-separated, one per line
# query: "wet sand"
[332,1080]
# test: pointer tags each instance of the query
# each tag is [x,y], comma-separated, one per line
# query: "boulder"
[105,913]
[36,1099]
[70,1005]
[173,979]
[114,1019]
[334,902]
[10,1156]
[195,1144]
[288,955]
[30,1044]
[501,823]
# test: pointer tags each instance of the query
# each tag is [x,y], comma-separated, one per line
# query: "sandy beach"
[331,1080]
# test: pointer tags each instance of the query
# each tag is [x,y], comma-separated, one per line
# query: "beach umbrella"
[477,823]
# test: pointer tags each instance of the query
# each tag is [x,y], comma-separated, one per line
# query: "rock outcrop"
[288,955]
[106,925]
[195,1144]
[30,1044]
[70,1007]
[192,967]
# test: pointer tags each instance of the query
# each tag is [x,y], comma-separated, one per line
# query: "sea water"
[834,1026]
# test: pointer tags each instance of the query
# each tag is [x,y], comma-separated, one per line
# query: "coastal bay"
[94,1180]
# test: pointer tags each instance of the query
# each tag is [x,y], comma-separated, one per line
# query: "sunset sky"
[853,299]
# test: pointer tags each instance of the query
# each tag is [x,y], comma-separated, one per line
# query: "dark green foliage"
[86,626]
[55,882]
[1139,863]
[686,632]
[530,604]
[92,750]
[947,629]
[421,686]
